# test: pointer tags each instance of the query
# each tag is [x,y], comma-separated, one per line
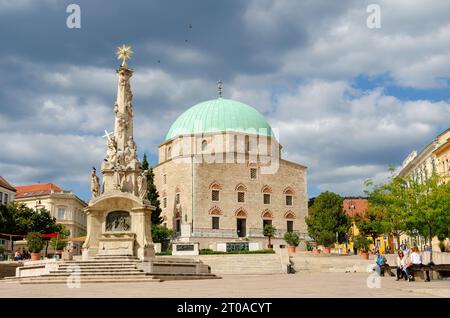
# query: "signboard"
[185,247]
[237,246]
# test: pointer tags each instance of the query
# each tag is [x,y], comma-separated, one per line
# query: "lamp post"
[352,208]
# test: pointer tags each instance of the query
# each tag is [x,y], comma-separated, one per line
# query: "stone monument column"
[119,220]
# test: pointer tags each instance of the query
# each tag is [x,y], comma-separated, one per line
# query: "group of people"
[407,262]
[20,256]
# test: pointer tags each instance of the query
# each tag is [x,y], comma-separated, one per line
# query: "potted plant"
[58,246]
[35,244]
[326,250]
[362,243]
[269,231]
[293,240]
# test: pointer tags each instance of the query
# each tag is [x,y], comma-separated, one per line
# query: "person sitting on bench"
[401,263]
[415,264]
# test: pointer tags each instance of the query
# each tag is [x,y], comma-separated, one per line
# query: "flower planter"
[365,255]
[291,249]
[316,251]
[326,250]
[35,256]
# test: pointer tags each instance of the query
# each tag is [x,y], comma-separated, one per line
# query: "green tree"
[389,201]
[22,219]
[161,234]
[429,208]
[327,218]
[153,195]
[269,231]
[371,224]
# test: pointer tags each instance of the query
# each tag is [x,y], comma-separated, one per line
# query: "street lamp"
[352,207]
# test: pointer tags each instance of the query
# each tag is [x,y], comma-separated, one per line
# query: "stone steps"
[111,269]
[101,273]
[85,280]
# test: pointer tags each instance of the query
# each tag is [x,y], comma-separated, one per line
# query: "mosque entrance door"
[241,228]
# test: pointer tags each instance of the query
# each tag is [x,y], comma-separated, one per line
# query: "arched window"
[266,190]
[267,217]
[169,152]
[266,214]
[289,215]
[241,189]
[215,191]
[288,196]
[215,210]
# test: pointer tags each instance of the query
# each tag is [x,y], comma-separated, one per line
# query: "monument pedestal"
[118,224]
[116,243]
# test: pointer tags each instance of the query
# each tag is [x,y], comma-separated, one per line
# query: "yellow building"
[358,206]
[435,157]
[442,155]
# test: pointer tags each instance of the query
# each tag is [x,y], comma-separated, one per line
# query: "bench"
[442,269]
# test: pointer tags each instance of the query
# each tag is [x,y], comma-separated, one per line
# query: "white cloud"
[346,138]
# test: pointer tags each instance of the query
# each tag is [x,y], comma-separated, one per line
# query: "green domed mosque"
[221,178]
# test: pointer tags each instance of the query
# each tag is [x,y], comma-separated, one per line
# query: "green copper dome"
[219,115]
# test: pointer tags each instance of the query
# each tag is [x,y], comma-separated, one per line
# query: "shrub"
[35,242]
[309,246]
[161,234]
[292,238]
[2,250]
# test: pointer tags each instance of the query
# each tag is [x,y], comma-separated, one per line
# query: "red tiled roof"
[5,184]
[36,189]
[354,207]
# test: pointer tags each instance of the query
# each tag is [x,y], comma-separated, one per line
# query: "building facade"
[221,178]
[442,155]
[7,191]
[64,205]
[435,157]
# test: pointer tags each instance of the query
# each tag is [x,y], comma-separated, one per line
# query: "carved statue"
[95,187]
[142,185]
[130,151]
[118,177]
[111,153]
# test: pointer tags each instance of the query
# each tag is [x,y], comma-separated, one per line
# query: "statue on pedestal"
[142,185]
[111,153]
[95,186]
[130,151]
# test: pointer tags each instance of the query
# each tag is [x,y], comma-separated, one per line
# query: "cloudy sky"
[349,100]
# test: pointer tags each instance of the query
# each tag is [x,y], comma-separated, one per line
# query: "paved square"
[303,284]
